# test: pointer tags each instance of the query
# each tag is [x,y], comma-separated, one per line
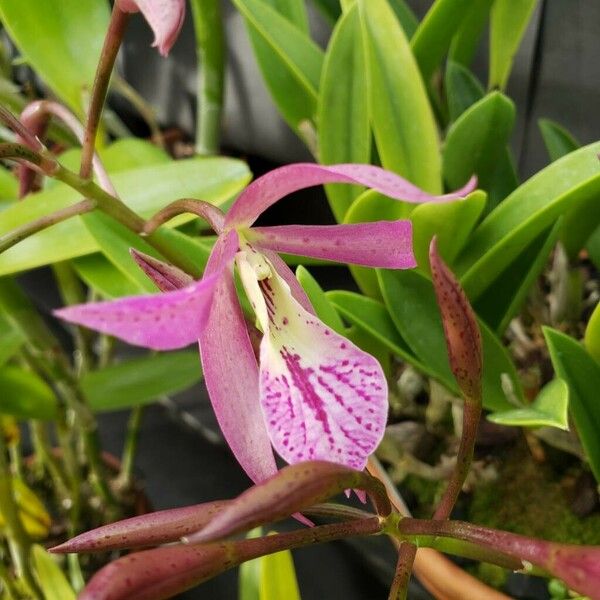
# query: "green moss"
[526,499]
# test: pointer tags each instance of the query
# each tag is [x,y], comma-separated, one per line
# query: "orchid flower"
[165,17]
[314,395]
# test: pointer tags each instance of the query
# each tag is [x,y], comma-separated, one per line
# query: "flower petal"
[268,189]
[323,398]
[166,277]
[384,244]
[231,376]
[165,17]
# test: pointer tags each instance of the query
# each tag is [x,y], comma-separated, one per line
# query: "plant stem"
[18,540]
[123,482]
[406,558]
[210,49]
[7,582]
[471,415]
[24,231]
[112,43]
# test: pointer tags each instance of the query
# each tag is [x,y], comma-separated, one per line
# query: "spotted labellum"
[313,394]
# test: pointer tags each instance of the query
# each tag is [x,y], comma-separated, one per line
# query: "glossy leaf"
[466,40]
[435,32]
[406,17]
[550,408]
[463,89]
[592,334]
[343,111]
[410,300]
[503,300]
[141,380]
[147,190]
[103,277]
[25,395]
[573,364]
[289,60]
[451,222]
[9,187]
[278,577]
[62,46]
[401,116]
[371,345]
[573,181]
[323,307]
[508,22]
[50,576]
[475,140]
[292,489]
[557,139]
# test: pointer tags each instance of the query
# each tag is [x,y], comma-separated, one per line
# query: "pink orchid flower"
[165,17]
[314,395]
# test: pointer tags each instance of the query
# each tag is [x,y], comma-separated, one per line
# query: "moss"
[527,499]
[426,493]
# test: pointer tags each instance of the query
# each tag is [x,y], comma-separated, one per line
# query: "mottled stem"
[112,43]
[211,57]
[406,559]
[210,213]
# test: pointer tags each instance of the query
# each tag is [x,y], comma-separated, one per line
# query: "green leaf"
[550,408]
[466,40]
[463,89]
[323,307]
[103,277]
[62,46]
[371,345]
[435,32]
[146,190]
[9,186]
[411,302]
[406,17]
[141,380]
[503,300]
[330,9]
[25,395]
[343,111]
[508,22]
[571,182]
[476,139]
[593,247]
[573,364]
[289,60]
[557,139]
[451,222]
[12,339]
[50,577]
[592,334]
[373,317]
[278,577]
[402,118]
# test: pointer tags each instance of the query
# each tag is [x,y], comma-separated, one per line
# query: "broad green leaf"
[25,395]
[592,334]
[435,32]
[466,39]
[451,222]
[330,9]
[373,317]
[406,17]
[145,190]
[293,10]
[401,116]
[571,182]
[50,577]
[141,380]
[9,187]
[504,179]
[11,339]
[476,139]
[249,573]
[593,247]
[550,408]
[503,300]
[103,277]
[289,60]
[324,309]
[62,46]
[573,364]
[343,111]
[411,302]
[371,345]
[278,577]
[557,139]
[463,89]
[508,22]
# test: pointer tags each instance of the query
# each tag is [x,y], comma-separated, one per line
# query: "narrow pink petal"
[323,398]
[165,17]
[384,244]
[268,189]
[166,277]
[162,321]
[231,376]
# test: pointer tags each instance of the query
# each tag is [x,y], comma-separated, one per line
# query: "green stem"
[112,43]
[19,542]
[210,48]
[131,442]
[7,582]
